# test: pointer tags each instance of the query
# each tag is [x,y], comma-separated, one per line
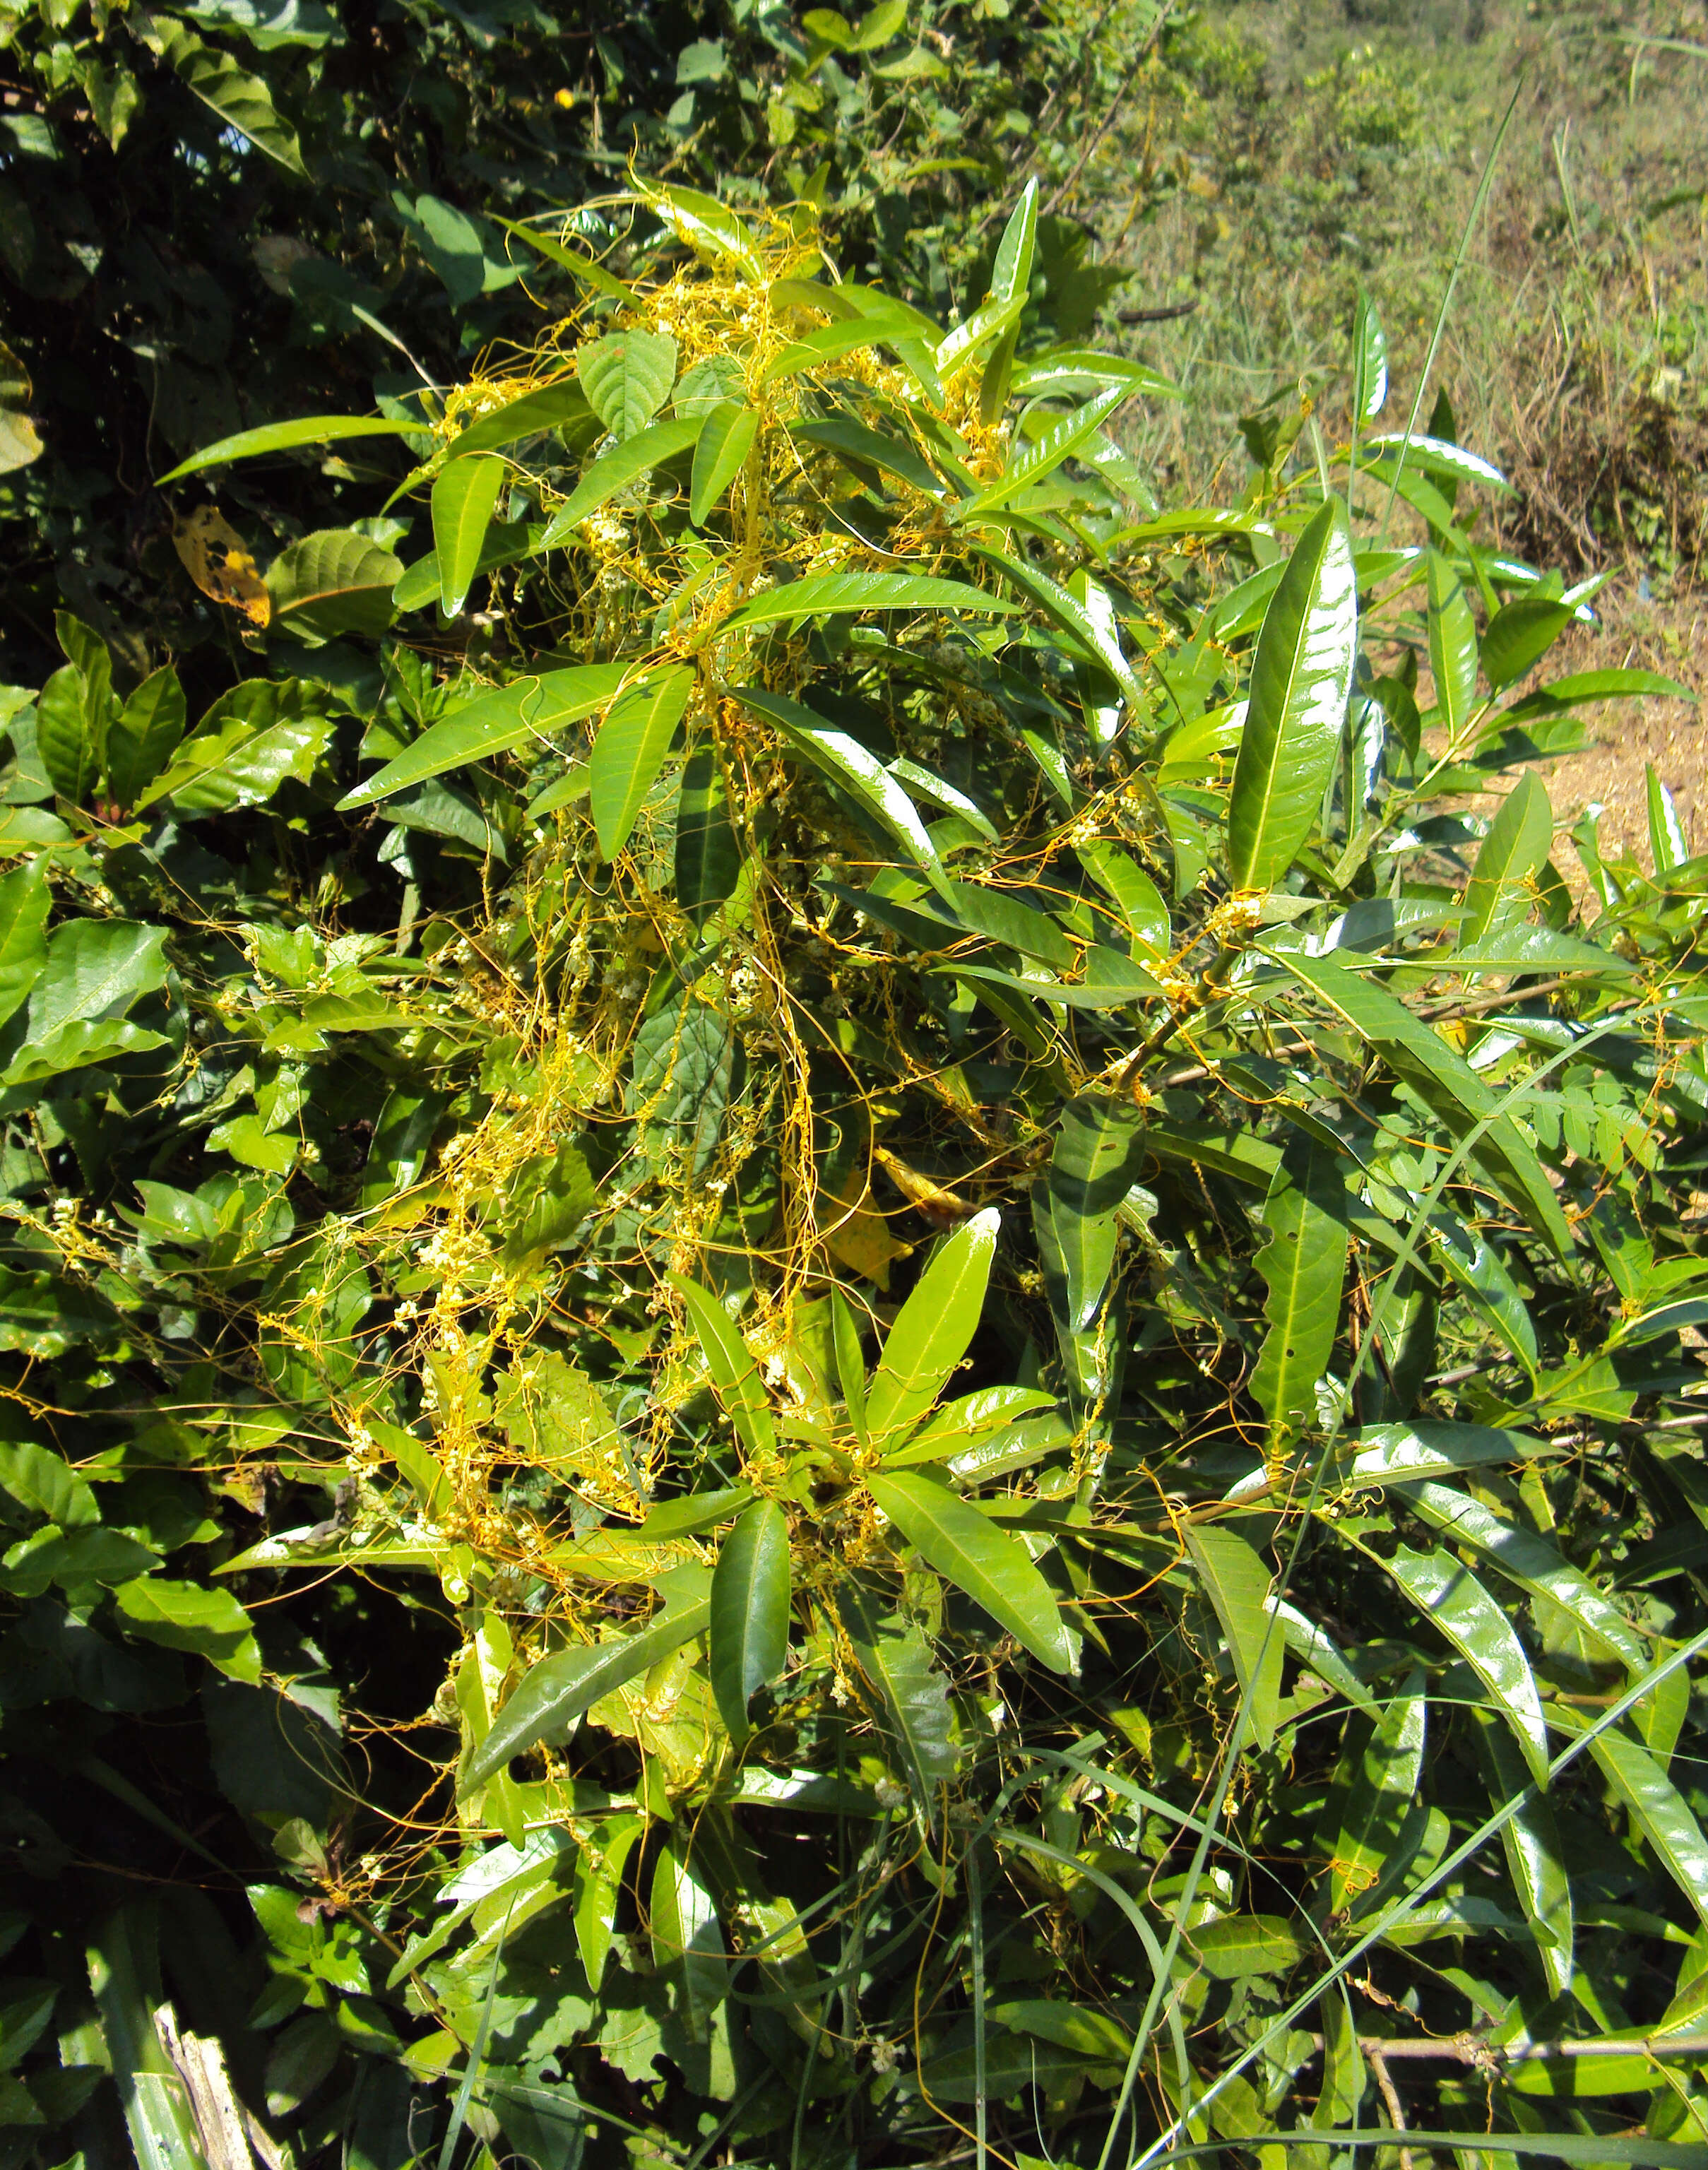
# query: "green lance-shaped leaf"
[573,261]
[708,850]
[730,1361]
[25,898]
[1301,676]
[750,1642]
[1656,1806]
[1667,843]
[1304,1263]
[1446,1590]
[557,1690]
[530,416]
[1452,645]
[1369,361]
[1011,274]
[824,594]
[528,711]
[686,1939]
[724,443]
[933,1329]
[1512,853]
[242,101]
[1383,1789]
[124,1977]
[855,442]
[463,497]
[1520,635]
[1232,1575]
[1532,1562]
[1043,455]
[1071,615]
[616,469]
[995,1569]
[1476,1263]
[1404,1453]
[832,341]
[627,376]
[1535,1859]
[709,228]
[144,736]
[630,750]
[1445,1079]
[289,437]
[915,1712]
[1091,1172]
[848,764]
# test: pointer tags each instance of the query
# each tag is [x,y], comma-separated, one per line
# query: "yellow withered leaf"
[216,559]
[857,1238]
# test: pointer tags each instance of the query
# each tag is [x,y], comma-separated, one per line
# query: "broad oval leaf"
[750,1612]
[933,1328]
[557,1690]
[994,1569]
[725,442]
[627,376]
[331,582]
[630,750]
[1301,677]
[25,898]
[464,495]
[144,736]
[1520,635]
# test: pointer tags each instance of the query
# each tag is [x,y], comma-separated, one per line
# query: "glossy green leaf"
[1453,646]
[1520,635]
[1446,1590]
[1234,1578]
[1091,1168]
[1535,1857]
[1515,850]
[1668,845]
[1245,1947]
[24,899]
[1436,456]
[750,1612]
[123,1970]
[708,850]
[1011,274]
[464,495]
[530,416]
[710,228]
[615,470]
[848,764]
[1042,456]
[71,732]
[734,1373]
[1445,1080]
[1304,1263]
[1145,918]
[1301,676]
[289,437]
[1475,1261]
[580,266]
[856,443]
[1532,1562]
[1068,613]
[686,1940]
[630,750]
[241,100]
[933,1329]
[831,342]
[555,1692]
[144,735]
[1369,361]
[724,443]
[994,1569]
[1656,1807]
[527,711]
[185,1616]
[627,376]
[333,582]
[1401,1453]
[852,594]
[1383,1790]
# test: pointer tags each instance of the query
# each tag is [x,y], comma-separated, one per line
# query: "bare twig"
[1115,105]
[1391,2101]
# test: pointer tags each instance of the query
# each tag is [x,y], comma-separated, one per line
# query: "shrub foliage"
[837,1329]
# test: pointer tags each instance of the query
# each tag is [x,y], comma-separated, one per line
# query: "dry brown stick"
[1391,2101]
[1472,2050]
